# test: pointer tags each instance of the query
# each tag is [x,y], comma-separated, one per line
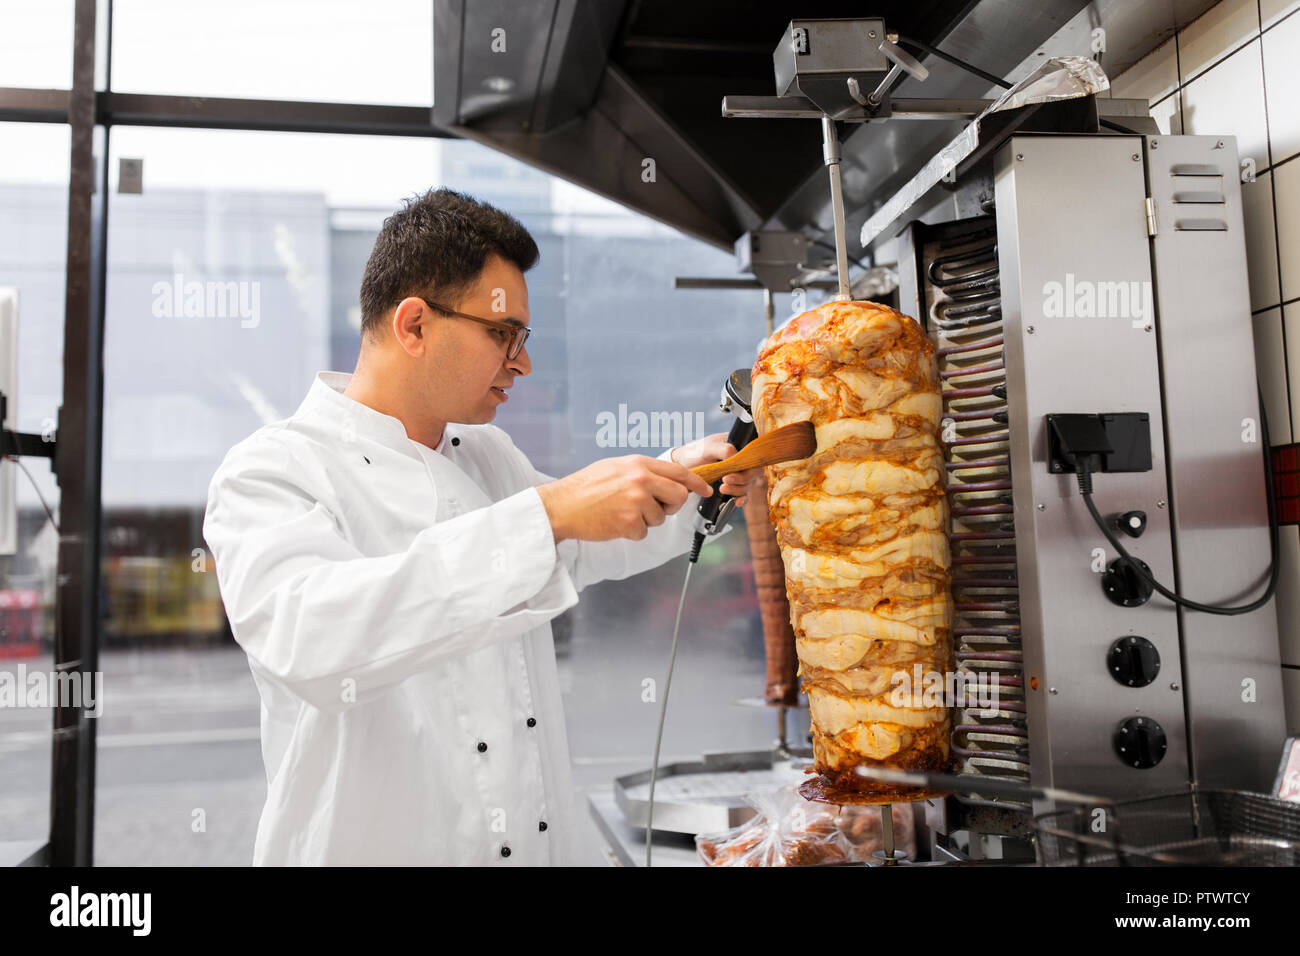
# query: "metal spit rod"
[887,832]
[831,156]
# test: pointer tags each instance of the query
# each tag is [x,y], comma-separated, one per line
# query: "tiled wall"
[1236,71]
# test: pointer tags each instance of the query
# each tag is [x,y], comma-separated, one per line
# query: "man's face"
[465,368]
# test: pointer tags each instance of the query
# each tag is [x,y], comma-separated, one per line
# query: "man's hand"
[713,448]
[618,498]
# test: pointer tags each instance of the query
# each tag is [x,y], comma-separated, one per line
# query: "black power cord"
[49,513]
[1117,127]
[961,64]
[1003,84]
[1083,469]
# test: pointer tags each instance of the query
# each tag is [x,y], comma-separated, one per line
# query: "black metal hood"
[590,90]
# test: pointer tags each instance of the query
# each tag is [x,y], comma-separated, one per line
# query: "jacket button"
[532,721]
[482,747]
[541,826]
[456,441]
[505,851]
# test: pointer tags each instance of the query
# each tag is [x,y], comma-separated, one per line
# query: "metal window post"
[76,643]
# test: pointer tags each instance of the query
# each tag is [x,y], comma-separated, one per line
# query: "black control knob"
[1140,742]
[1124,586]
[1133,661]
[1132,523]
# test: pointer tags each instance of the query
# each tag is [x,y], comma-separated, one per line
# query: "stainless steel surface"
[544,99]
[952,781]
[1216,477]
[887,833]
[737,394]
[624,844]
[706,795]
[1070,209]
[936,203]
[625,129]
[936,107]
[831,157]
[769,107]
[799,107]
[564,103]
[518,66]
[779,260]
[996,35]
[817,58]
[904,60]
[705,282]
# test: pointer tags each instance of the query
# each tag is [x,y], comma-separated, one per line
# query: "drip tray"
[706,795]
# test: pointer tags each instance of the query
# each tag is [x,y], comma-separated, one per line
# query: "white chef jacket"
[394,602]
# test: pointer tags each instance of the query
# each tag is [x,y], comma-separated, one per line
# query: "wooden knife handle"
[717,469]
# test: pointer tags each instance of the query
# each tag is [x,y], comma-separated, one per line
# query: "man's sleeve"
[591,561]
[335,626]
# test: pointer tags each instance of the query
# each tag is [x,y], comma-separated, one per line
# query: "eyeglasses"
[517,334]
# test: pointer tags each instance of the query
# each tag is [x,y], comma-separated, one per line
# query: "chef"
[390,563]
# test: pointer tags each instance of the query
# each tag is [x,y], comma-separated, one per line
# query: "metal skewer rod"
[831,156]
[973,783]
[887,832]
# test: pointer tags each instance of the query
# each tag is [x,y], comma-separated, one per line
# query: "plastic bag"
[791,831]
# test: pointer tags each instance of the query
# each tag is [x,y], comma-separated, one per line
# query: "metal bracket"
[800,107]
[23,444]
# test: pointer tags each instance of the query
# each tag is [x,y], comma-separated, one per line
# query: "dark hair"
[436,245]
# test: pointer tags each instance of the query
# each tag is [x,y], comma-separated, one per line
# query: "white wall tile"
[1270,365]
[1291,696]
[1150,78]
[1291,330]
[1229,101]
[1286,197]
[1274,10]
[1288,596]
[1261,241]
[1169,115]
[1282,83]
[1215,33]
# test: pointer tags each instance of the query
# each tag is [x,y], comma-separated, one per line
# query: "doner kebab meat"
[862,527]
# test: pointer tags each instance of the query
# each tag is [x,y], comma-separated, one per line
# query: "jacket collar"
[325,397]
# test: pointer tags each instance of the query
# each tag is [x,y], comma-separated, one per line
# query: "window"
[326,51]
[287,221]
[33,257]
